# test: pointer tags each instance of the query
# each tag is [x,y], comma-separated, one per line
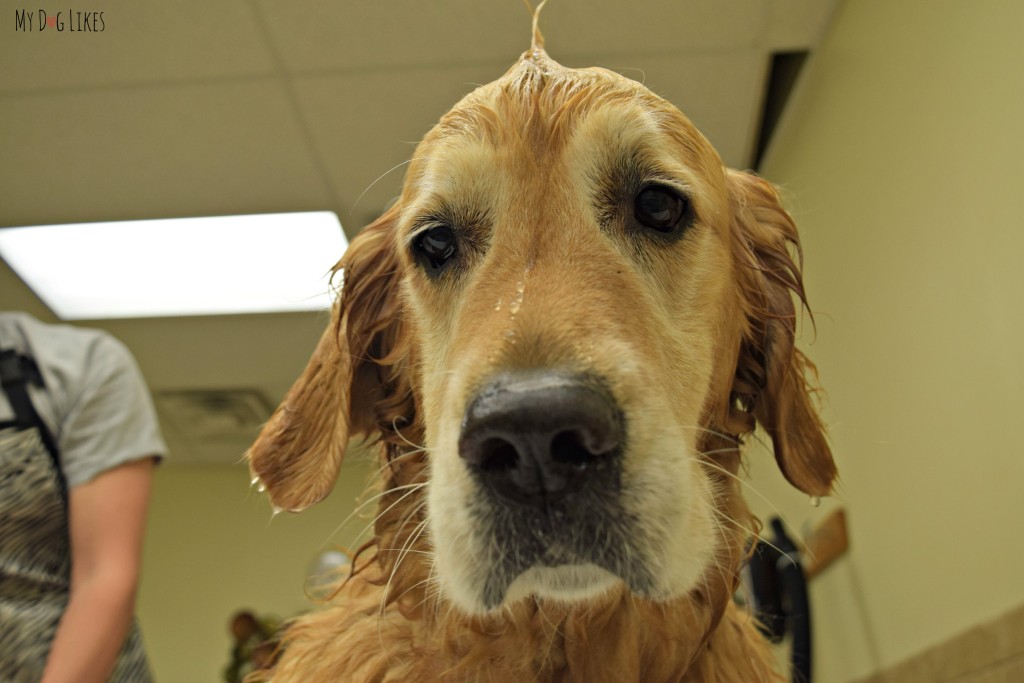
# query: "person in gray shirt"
[78,442]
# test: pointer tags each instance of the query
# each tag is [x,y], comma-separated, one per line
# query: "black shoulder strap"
[16,371]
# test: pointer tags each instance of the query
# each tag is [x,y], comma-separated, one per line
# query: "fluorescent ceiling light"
[179,266]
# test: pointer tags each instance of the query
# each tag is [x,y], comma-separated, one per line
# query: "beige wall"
[903,158]
[212,548]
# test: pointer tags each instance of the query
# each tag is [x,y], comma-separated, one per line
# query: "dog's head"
[577,312]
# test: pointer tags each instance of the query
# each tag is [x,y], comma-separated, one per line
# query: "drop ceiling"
[199,108]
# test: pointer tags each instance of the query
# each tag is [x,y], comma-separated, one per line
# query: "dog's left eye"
[435,247]
[660,208]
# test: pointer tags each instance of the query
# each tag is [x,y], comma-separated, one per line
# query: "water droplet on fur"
[275,511]
[517,302]
[261,487]
[255,480]
[815,501]
[497,307]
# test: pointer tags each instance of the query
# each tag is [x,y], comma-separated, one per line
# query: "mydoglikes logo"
[72,21]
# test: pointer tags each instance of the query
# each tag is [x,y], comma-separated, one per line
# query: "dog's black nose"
[535,437]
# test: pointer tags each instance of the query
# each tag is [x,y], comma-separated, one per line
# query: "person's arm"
[107,519]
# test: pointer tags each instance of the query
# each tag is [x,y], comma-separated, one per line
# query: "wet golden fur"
[696,339]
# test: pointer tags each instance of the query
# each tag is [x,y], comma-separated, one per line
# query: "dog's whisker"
[390,463]
[413,537]
[413,489]
[409,516]
[377,180]
[363,504]
[753,529]
[419,584]
[417,447]
[716,561]
[408,550]
[384,601]
[753,489]
[757,538]
[731,438]
[718,451]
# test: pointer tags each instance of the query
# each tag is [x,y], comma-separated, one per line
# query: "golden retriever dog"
[559,337]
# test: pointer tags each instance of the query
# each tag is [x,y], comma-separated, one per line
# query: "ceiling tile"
[365,125]
[651,26]
[264,352]
[158,41]
[313,35]
[316,35]
[15,295]
[796,24]
[154,152]
[719,91]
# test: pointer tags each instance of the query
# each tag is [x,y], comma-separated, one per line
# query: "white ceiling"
[249,106]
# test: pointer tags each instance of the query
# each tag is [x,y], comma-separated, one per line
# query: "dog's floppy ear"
[773,378]
[354,385]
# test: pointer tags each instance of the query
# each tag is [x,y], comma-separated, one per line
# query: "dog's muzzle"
[546,449]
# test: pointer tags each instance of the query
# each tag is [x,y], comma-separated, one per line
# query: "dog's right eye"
[435,247]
